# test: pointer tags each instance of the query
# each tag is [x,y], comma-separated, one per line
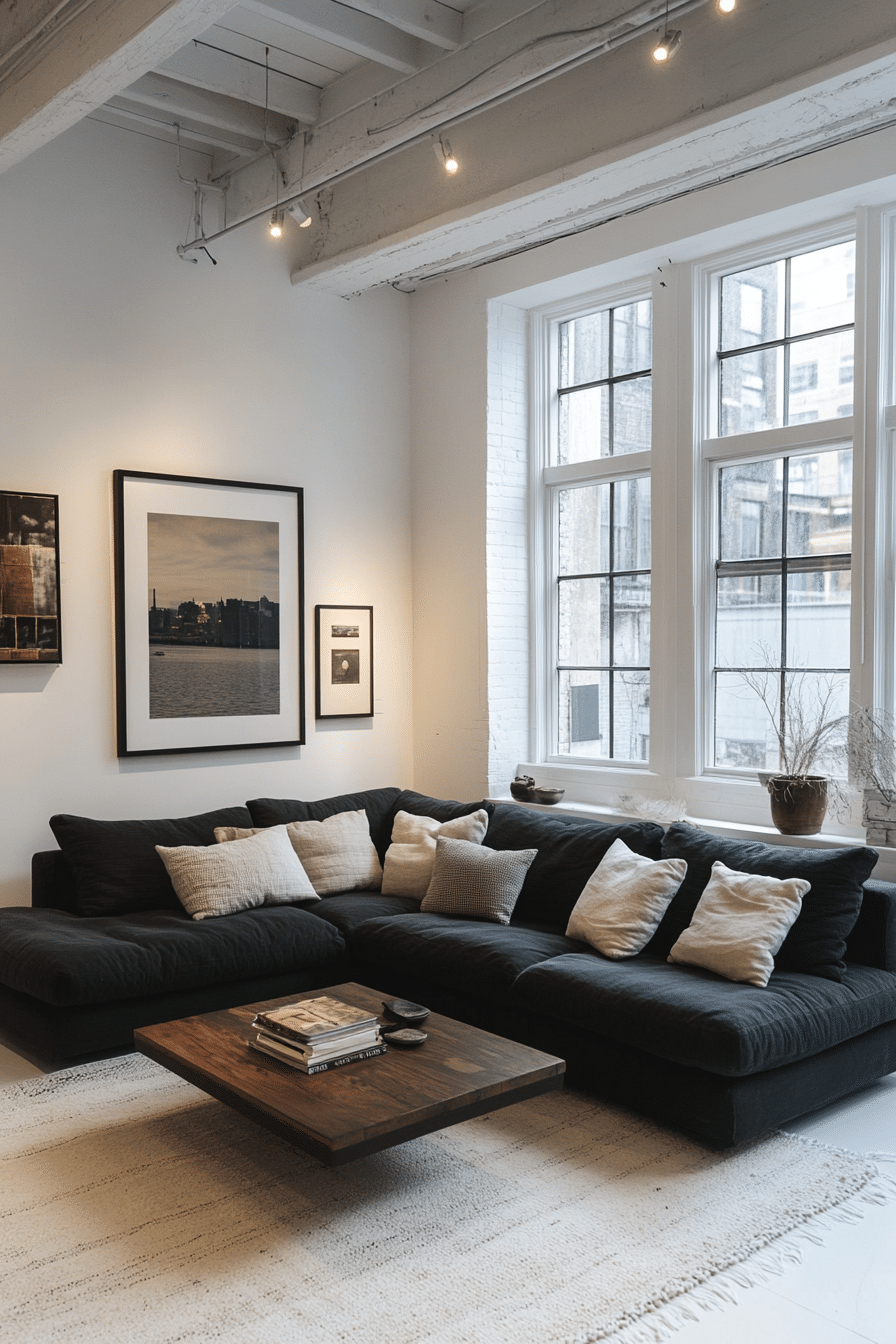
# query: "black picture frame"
[235,671]
[343,640]
[30,618]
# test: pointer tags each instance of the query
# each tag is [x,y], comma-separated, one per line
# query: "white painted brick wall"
[507,549]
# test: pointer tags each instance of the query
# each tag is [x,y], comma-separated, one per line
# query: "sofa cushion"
[349,909]
[440,809]
[740,922]
[816,943]
[695,1018]
[474,882]
[379,804]
[465,955]
[115,865]
[407,870]
[569,850]
[66,959]
[247,870]
[624,900]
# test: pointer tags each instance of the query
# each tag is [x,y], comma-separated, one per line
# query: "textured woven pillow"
[740,922]
[624,900]
[224,879]
[407,870]
[224,834]
[337,853]
[475,882]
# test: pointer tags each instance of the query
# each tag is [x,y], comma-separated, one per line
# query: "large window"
[783,540]
[600,535]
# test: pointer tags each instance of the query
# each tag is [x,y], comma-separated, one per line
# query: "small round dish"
[405,1037]
[406,1011]
[547,795]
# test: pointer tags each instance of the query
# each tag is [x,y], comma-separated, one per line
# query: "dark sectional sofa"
[105,947]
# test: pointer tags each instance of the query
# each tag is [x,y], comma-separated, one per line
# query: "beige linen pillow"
[623,901]
[740,922]
[213,880]
[224,834]
[407,870]
[337,853]
[474,882]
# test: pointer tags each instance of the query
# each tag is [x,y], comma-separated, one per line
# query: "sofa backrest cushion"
[379,804]
[440,809]
[569,850]
[115,865]
[816,943]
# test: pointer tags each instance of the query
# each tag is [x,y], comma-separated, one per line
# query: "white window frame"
[546,480]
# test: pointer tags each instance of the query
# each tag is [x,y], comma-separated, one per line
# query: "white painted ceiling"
[259,73]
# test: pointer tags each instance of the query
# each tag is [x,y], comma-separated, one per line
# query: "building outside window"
[600,535]
[783,540]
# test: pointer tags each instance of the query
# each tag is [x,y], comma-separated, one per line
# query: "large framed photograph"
[344,641]
[208,614]
[29,578]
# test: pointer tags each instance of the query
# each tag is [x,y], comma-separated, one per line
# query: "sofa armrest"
[52,881]
[873,939]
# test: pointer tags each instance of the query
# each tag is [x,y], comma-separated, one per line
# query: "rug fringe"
[722,1289]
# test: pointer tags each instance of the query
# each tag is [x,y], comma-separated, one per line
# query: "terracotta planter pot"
[798,804]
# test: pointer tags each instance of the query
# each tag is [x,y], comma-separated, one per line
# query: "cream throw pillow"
[624,900]
[740,922]
[407,870]
[337,853]
[213,880]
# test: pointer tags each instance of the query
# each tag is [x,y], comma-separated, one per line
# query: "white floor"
[843,1292]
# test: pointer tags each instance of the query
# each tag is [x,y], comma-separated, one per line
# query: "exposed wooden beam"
[346,28]
[185,103]
[103,46]
[426,19]
[235,77]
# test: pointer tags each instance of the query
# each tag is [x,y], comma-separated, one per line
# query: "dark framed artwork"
[208,614]
[30,630]
[344,644]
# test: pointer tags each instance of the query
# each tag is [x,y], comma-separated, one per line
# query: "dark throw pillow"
[116,868]
[379,804]
[816,943]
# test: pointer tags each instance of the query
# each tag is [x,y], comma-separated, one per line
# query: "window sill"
[884,870]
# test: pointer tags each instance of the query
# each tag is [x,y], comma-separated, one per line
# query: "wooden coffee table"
[345,1113]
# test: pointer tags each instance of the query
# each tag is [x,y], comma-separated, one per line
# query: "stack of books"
[318,1034]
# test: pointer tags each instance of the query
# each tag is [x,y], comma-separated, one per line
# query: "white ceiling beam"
[426,19]
[500,64]
[187,103]
[71,68]
[236,77]
[346,28]
[194,133]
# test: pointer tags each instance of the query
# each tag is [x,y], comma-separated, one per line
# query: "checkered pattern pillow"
[474,882]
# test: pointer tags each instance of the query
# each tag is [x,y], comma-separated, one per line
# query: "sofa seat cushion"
[351,908]
[65,959]
[693,1017]
[569,850]
[464,954]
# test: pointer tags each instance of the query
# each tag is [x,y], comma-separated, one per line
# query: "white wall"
[118,354]
[457,416]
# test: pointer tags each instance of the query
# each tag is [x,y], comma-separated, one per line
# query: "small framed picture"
[344,642]
[29,578]
[208,614]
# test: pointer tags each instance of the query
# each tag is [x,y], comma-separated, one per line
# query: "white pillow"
[407,870]
[212,880]
[224,834]
[740,922]
[337,853]
[624,900]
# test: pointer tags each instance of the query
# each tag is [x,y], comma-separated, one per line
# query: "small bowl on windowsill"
[547,796]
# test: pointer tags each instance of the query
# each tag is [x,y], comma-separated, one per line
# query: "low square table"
[459,1072]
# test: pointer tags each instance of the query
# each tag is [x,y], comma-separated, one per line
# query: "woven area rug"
[135,1209]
